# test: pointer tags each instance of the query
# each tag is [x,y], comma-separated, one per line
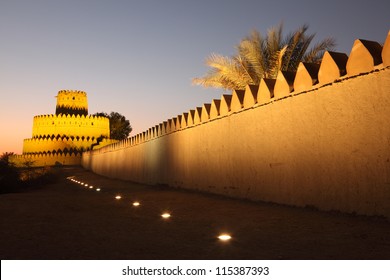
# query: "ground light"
[136,203]
[86,185]
[165,215]
[224,237]
[118,197]
[98,189]
[91,187]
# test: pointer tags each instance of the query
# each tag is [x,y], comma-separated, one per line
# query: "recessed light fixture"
[165,215]
[98,189]
[91,187]
[136,203]
[224,237]
[118,197]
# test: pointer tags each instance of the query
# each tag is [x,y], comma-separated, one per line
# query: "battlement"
[46,159]
[71,125]
[59,144]
[72,92]
[365,57]
[318,137]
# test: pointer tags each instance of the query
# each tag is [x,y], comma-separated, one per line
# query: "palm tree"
[260,57]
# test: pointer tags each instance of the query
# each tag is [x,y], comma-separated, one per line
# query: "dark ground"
[68,221]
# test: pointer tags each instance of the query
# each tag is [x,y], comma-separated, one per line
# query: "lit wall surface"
[326,147]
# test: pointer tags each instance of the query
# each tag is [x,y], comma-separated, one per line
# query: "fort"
[318,138]
[62,137]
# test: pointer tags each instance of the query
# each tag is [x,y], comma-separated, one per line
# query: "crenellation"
[198,115]
[364,56]
[284,84]
[214,110]
[333,66]
[164,127]
[386,51]
[250,96]
[168,128]
[306,76]
[191,117]
[226,101]
[172,124]
[205,114]
[160,129]
[266,91]
[184,120]
[237,102]
[178,122]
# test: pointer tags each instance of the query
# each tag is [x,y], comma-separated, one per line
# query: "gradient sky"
[137,57]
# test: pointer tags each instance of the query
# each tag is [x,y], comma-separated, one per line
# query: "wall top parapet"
[66,91]
[68,116]
[365,57]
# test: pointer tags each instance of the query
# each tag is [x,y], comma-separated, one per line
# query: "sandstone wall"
[325,145]
[92,126]
[46,159]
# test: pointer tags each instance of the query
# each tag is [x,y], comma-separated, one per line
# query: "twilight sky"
[137,57]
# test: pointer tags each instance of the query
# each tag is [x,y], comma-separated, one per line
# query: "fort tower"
[62,137]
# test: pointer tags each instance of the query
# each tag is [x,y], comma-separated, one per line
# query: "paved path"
[68,221]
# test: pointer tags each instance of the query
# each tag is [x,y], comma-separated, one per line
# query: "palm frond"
[294,44]
[225,72]
[316,53]
[276,63]
[299,52]
[251,57]
[260,57]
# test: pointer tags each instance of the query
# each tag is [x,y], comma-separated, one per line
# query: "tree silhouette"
[120,127]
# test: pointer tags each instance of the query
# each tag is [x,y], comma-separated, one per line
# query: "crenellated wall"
[93,126]
[72,102]
[35,145]
[318,137]
[47,159]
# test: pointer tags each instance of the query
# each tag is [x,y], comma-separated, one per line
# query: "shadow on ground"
[68,221]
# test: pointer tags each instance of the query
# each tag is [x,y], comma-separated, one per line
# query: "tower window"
[73,98]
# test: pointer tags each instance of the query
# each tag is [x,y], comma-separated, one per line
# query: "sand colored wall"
[327,147]
[62,144]
[48,125]
[72,100]
[46,159]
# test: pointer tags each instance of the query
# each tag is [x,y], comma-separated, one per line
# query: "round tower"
[71,102]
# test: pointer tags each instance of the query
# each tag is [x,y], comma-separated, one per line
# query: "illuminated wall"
[43,159]
[319,137]
[72,102]
[81,126]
